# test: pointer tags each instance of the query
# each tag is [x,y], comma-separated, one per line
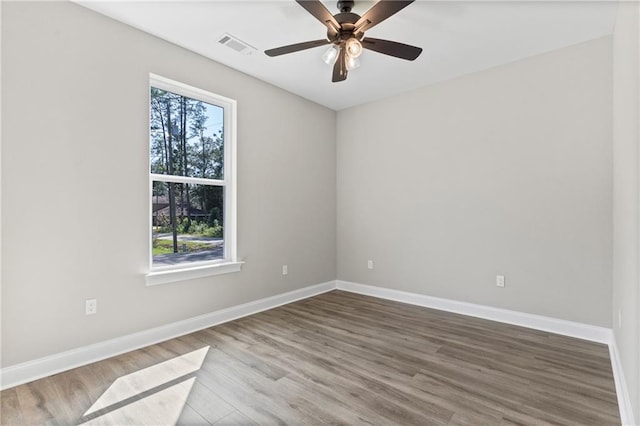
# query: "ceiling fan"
[345,33]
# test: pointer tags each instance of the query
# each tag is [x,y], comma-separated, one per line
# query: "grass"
[166,246]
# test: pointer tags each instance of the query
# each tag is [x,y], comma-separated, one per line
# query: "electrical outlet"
[90,306]
[500,280]
[285,269]
[369,264]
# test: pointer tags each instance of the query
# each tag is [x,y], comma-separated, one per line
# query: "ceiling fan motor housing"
[346,21]
[345,5]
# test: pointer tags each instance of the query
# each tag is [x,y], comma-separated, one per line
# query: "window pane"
[186,136]
[187,223]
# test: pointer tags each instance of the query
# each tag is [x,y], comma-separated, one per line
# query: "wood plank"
[234,419]
[10,410]
[190,417]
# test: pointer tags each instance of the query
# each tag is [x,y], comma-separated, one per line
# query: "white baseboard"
[567,328]
[32,370]
[622,392]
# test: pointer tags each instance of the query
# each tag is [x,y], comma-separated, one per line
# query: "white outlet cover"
[91,306]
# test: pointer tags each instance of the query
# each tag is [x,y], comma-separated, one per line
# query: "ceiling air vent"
[236,44]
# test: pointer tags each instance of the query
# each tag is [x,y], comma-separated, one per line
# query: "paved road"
[195,239]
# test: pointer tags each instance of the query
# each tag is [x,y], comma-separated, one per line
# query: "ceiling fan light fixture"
[330,55]
[352,63]
[354,47]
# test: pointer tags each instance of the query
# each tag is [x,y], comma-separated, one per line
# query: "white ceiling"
[458,37]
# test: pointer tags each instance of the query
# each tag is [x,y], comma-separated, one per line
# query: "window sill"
[166,276]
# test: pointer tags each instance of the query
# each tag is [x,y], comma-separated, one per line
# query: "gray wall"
[626,196]
[75,182]
[506,171]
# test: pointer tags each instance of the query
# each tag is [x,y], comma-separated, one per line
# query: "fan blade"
[392,48]
[379,12]
[340,67]
[321,13]
[296,47]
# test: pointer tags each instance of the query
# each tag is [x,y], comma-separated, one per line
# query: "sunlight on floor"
[154,395]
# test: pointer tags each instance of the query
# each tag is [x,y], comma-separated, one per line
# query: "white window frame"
[229,263]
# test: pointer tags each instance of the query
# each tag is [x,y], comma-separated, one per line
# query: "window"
[192,182]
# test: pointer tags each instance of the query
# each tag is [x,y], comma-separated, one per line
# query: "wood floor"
[337,358]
